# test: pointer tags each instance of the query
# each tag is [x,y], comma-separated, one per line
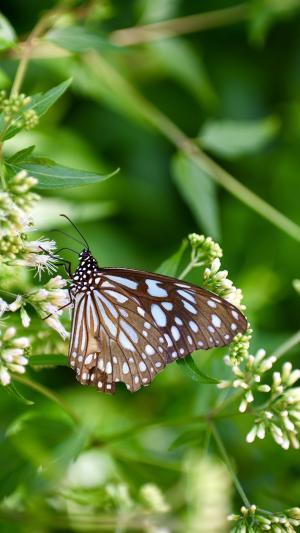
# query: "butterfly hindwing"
[130,324]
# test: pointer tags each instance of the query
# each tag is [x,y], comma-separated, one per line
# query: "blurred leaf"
[193,372]
[14,391]
[79,39]
[157,10]
[188,437]
[48,360]
[40,103]
[170,266]
[21,155]
[53,176]
[231,139]
[264,13]
[7,34]
[199,192]
[178,59]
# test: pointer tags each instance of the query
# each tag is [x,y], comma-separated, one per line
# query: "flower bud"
[4,376]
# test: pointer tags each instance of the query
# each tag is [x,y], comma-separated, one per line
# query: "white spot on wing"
[211,304]
[175,333]
[235,314]
[167,305]
[125,342]
[193,326]
[142,366]
[216,321]
[124,281]
[158,315]
[117,296]
[149,350]
[132,334]
[187,296]
[125,368]
[189,307]
[154,289]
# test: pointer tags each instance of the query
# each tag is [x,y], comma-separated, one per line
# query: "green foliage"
[92,89]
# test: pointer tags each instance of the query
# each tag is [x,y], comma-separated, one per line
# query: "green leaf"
[21,155]
[265,13]
[199,192]
[14,391]
[48,360]
[40,103]
[53,176]
[229,138]
[178,59]
[170,266]
[192,371]
[188,437]
[79,39]
[7,34]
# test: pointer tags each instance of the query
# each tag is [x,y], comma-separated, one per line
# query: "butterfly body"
[128,324]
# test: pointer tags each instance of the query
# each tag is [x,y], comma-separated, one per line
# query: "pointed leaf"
[7,33]
[230,138]
[170,266]
[40,103]
[188,437]
[199,192]
[21,155]
[50,175]
[14,391]
[192,371]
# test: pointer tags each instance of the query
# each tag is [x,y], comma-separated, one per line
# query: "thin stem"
[180,26]
[49,394]
[27,47]
[228,463]
[143,109]
[287,345]
[188,268]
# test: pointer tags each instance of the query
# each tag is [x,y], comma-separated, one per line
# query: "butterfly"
[127,325]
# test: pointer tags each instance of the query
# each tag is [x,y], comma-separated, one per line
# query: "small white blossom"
[13,351]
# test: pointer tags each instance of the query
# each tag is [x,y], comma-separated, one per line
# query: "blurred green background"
[234,86]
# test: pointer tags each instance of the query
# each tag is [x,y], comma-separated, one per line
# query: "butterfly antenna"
[66,234]
[79,232]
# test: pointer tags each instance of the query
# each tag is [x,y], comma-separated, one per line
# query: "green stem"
[227,461]
[142,108]
[287,345]
[180,26]
[38,30]
[49,394]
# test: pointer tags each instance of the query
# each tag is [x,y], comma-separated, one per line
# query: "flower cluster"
[47,301]
[206,253]
[217,281]
[13,352]
[254,520]
[15,203]
[204,249]
[16,111]
[280,414]
[153,498]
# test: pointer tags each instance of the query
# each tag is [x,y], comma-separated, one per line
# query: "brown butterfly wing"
[134,323]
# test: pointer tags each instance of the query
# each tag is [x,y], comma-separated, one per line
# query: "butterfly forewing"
[128,324]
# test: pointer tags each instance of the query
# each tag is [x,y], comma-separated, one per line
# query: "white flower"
[54,323]
[3,307]
[4,376]
[25,318]
[39,245]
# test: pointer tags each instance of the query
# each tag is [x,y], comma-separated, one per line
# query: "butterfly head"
[85,271]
